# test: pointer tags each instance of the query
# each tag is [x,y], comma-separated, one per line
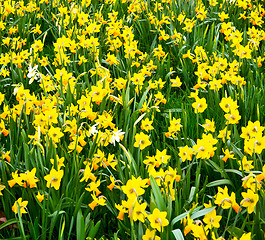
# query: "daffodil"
[212,220]
[2,187]
[223,199]
[200,105]
[147,124]
[245,165]
[142,140]
[250,200]
[40,197]
[134,187]
[150,235]
[54,178]
[209,126]
[20,206]
[100,200]
[158,219]
[186,153]
[139,212]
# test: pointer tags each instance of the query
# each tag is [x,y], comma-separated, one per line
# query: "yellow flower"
[36,29]
[101,200]
[175,82]
[174,127]
[134,187]
[112,59]
[251,181]
[142,140]
[212,220]
[87,173]
[93,186]
[222,198]
[161,157]
[37,46]
[189,24]
[40,197]
[150,235]
[245,165]
[74,146]
[201,13]
[209,126]
[2,187]
[147,125]
[54,178]
[228,104]
[22,206]
[204,148]
[82,18]
[223,16]
[243,52]
[2,98]
[151,162]
[246,236]
[159,98]
[159,52]
[59,162]
[29,178]
[55,134]
[185,153]
[3,129]
[200,105]
[250,200]
[122,210]
[224,134]
[233,117]
[215,84]
[252,130]
[16,179]
[138,212]
[228,154]
[158,219]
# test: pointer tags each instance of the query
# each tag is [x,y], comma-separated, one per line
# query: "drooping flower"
[250,200]
[21,205]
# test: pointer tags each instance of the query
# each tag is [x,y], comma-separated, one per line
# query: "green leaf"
[234,171]
[131,160]
[236,150]
[56,213]
[158,195]
[202,212]
[178,234]
[143,99]
[219,182]
[93,231]
[183,215]
[192,194]
[179,217]
[80,227]
[236,232]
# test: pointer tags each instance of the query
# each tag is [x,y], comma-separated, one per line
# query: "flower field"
[132,119]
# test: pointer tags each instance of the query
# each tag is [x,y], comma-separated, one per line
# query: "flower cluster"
[144,119]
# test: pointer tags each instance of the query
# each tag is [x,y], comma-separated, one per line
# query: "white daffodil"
[93,130]
[116,136]
[32,73]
